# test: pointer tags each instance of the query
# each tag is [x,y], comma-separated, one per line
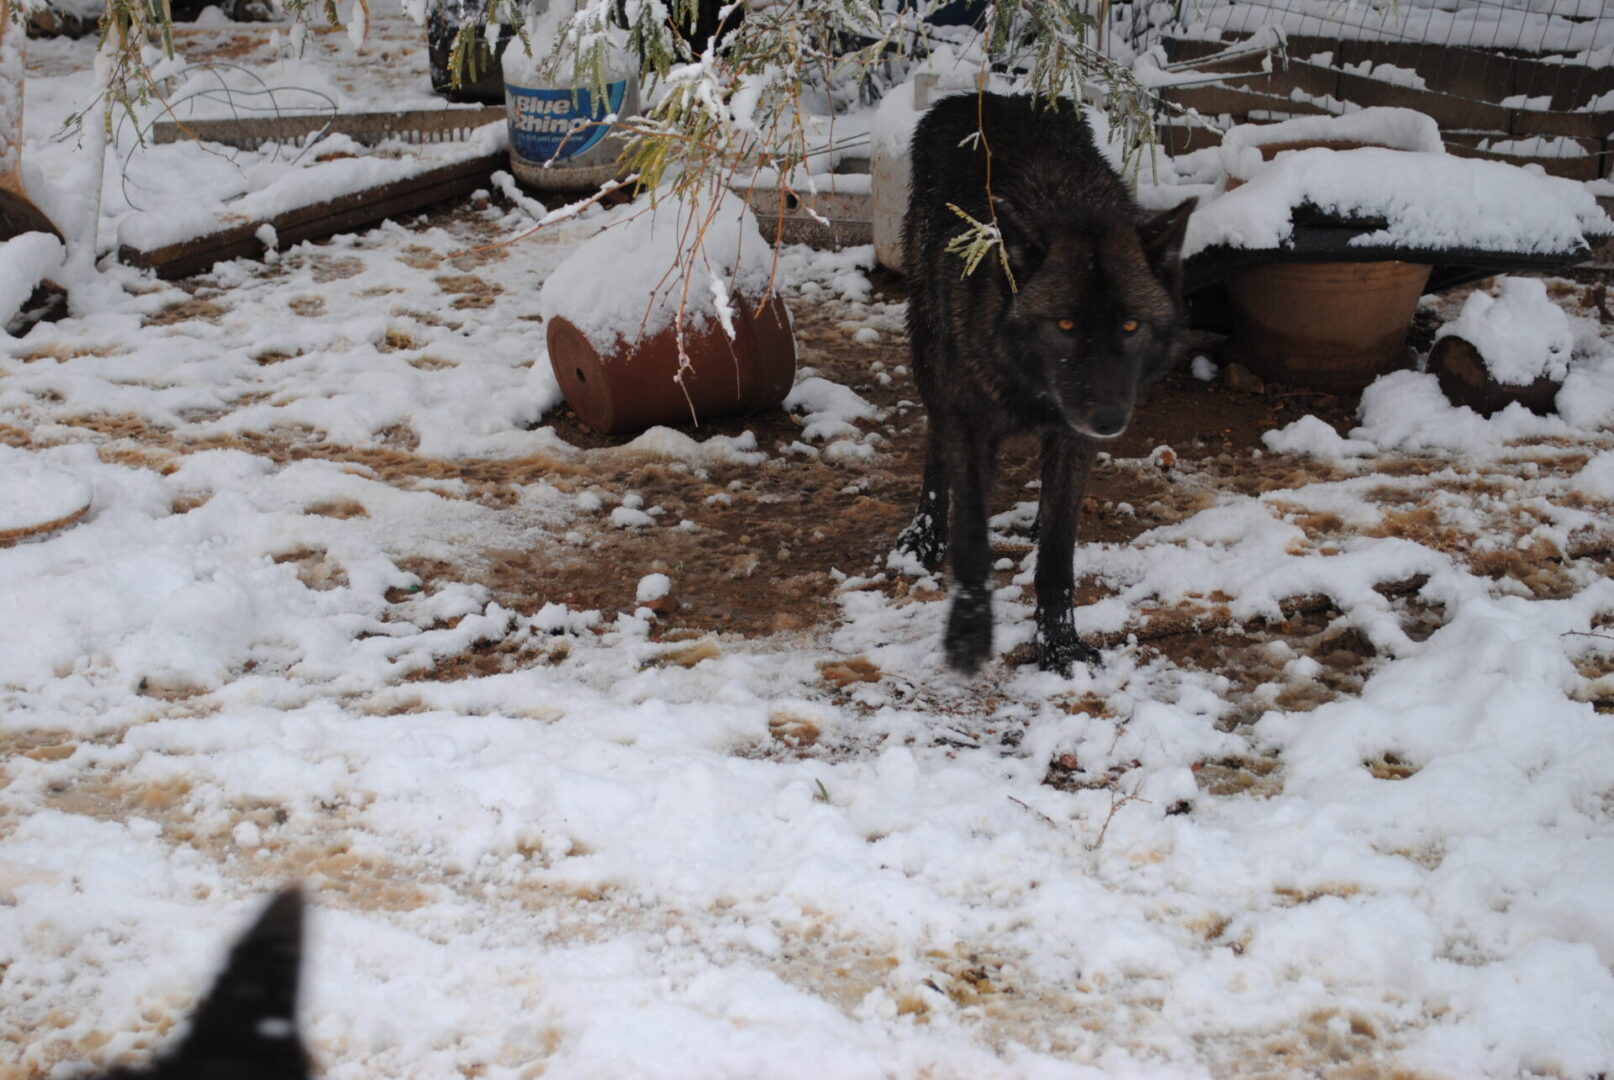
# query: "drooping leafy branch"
[755,96]
[758,96]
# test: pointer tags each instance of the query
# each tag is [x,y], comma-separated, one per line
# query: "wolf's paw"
[1059,651]
[967,650]
[969,631]
[924,539]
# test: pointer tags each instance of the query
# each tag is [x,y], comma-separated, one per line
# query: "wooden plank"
[1588,125]
[1178,139]
[1216,100]
[1448,111]
[1473,73]
[1304,46]
[315,222]
[1180,49]
[368,128]
[1575,168]
[1314,79]
[1568,86]
[1462,71]
[1297,46]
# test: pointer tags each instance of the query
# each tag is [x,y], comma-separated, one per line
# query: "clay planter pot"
[637,384]
[1330,325]
[1465,381]
[1333,326]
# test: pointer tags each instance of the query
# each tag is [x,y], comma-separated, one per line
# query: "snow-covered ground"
[722,858]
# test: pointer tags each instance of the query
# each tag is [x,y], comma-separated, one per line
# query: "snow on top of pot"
[1397,129]
[1428,201]
[701,256]
[1519,333]
[1393,129]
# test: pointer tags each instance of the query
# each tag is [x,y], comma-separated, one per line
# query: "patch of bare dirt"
[196,309]
[314,570]
[469,291]
[336,269]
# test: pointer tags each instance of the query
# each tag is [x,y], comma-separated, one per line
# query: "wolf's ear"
[247,1026]
[1021,241]
[1162,240]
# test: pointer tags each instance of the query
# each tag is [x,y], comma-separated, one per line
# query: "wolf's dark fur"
[246,1029]
[1088,321]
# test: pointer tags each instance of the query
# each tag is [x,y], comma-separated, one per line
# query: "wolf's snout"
[1108,421]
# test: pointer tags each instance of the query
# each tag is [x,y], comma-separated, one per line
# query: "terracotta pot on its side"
[637,385]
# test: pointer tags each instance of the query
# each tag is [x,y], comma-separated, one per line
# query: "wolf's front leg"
[1066,460]
[971,455]
[925,538]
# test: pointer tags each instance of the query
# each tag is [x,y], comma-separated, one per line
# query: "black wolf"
[246,1029]
[1061,343]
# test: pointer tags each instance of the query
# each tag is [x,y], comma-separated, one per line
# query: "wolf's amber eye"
[1130,326]
[1067,325]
